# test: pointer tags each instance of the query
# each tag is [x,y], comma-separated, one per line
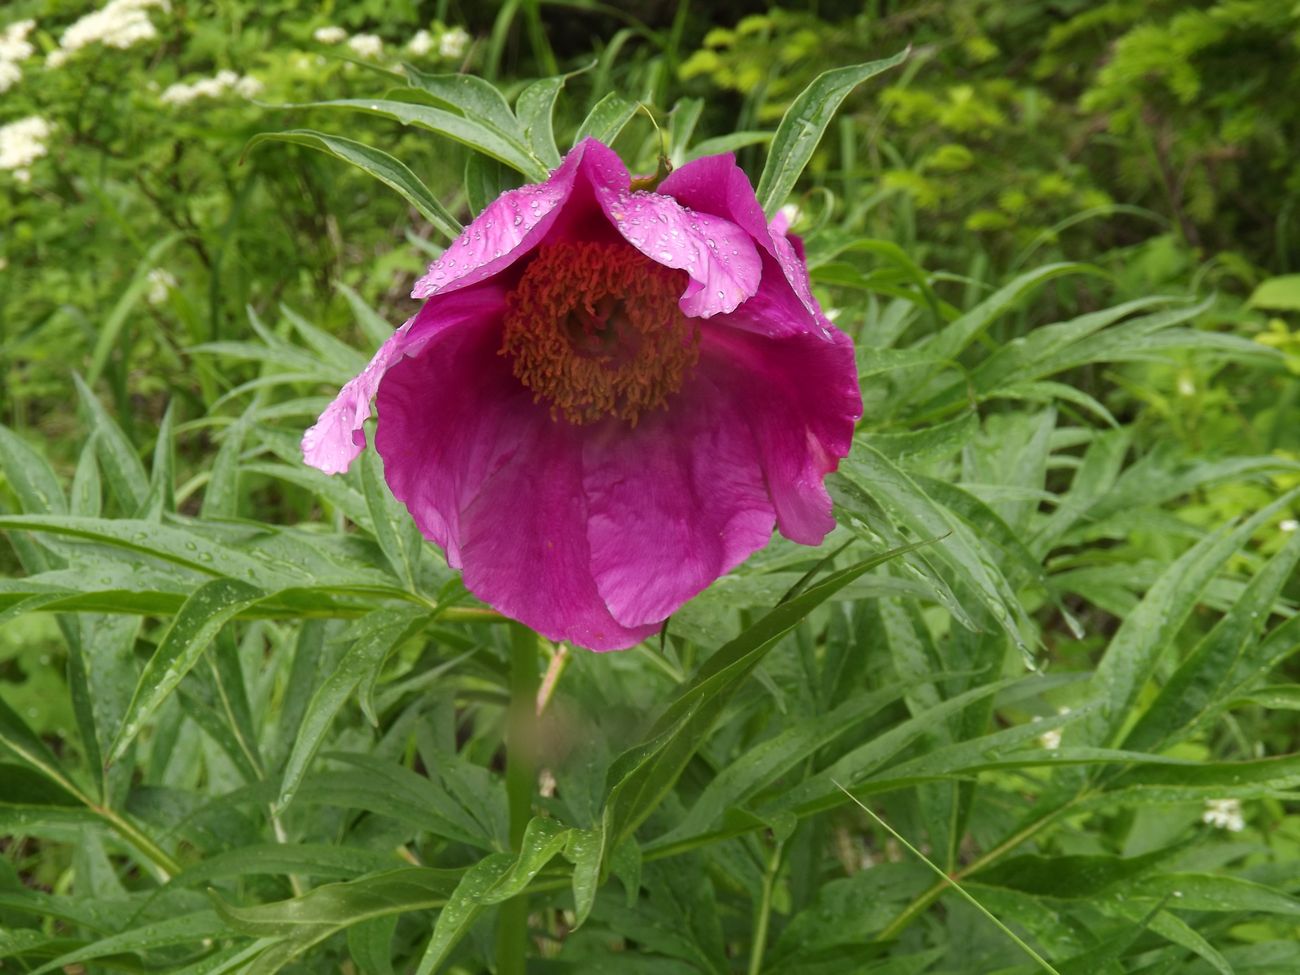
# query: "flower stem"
[763,911]
[521,777]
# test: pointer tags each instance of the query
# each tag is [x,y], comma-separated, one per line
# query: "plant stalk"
[521,778]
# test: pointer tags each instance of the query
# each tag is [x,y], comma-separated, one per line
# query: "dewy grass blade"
[970,899]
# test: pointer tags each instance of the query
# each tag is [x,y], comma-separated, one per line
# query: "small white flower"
[1051,739]
[330,35]
[249,87]
[56,58]
[420,44]
[22,143]
[119,23]
[177,94]
[1185,386]
[453,43]
[366,45]
[161,282]
[1289,525]
[10,75]
[1224,814]
[23,175]
[14,45]
[226,78]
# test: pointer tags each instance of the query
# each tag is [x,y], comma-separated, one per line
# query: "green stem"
[163,862]
[923,901]
[521,775]
[763,911]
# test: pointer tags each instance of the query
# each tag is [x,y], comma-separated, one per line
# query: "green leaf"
[30,476]
[370,945]
[606,119]
[185,930]
[1202,685]
[1278,294]
[207,609]
[25,745]
[127,480]
[535,106]
[390,171]
[803,124]
[374,638]
[484,138]
[107,335]
[1070,876]
[485,180]
[1137,645]
[495,878]
[395,529]
[640,778]
[472,96]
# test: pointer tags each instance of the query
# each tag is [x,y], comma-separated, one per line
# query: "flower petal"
[518,220]
[718,256]
[337,438]
[716,185]
[673,504]
[525,543]
[799,395]
[448,418]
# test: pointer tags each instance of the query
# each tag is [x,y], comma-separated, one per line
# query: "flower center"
[594,329]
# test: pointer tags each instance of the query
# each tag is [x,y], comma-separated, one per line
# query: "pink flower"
[609,397]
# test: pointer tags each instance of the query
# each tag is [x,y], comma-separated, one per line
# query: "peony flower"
[609,397]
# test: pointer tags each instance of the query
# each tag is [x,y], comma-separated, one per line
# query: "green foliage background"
[250,722]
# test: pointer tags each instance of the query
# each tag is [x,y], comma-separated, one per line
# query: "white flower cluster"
[22,143]
[161,282]
[14,47]
[451,44]
[225,80]
[366,45]
[330,35]
[119,23]
[1224,814]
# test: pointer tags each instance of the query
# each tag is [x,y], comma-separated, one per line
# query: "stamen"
[594,329]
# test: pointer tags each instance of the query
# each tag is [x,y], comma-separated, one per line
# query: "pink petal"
[448,418]
[518,220]
[716,185]
[525,543]
[718,256]
[799,395]
[673,503]
[337,438]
